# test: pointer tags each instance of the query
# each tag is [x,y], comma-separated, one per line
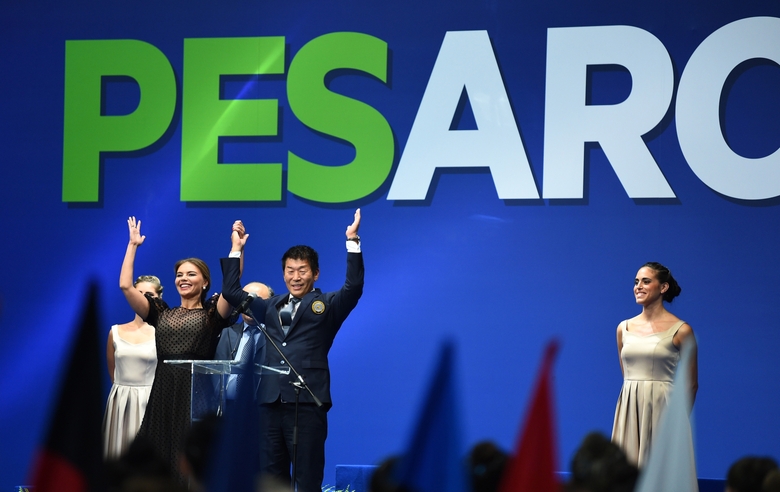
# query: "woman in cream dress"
[132,360]
[649,351]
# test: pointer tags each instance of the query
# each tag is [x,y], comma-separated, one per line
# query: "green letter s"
[339,116]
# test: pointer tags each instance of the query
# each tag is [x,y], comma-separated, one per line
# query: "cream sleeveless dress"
[649,364]
[134,368]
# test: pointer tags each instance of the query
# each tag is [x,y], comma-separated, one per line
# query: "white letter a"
[466,59]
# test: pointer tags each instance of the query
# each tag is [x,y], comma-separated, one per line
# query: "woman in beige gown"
[132,359]
[649,351]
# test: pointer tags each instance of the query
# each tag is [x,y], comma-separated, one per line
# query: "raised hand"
[352,229]
[134,297]
[135,231]
[238,235]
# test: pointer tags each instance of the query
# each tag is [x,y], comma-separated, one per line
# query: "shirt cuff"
[235,254]
[353,247]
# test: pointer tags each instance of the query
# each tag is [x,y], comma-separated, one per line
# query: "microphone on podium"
[251,296]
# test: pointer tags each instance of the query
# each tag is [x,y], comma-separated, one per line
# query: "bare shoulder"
[685,331]
[619,331]
[671,320]
[625,324]
[124,326]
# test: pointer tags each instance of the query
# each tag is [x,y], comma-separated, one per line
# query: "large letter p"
[87,132]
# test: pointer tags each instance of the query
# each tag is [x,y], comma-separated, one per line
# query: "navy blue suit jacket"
[229,340]
[317,320]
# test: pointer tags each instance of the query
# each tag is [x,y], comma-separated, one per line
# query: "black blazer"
[317,320]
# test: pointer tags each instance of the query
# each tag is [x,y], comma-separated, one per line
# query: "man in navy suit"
[315,318]
[233,338]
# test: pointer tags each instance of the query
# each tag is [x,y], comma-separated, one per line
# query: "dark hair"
[384,479]
[199,442]
[204,270]
[139,461]
[748,473]
[599,465]
[665,277]
[771,482]
[305,253]
[486,466]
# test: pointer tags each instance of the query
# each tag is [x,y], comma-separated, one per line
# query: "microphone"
[244,304]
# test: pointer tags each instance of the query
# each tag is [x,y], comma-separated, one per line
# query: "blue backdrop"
[539,153]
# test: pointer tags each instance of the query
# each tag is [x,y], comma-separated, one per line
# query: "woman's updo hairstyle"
[152,280]
[665,277]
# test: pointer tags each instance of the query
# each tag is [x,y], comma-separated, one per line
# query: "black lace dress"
[180,333]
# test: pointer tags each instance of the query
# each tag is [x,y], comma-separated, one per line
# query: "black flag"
[71,458]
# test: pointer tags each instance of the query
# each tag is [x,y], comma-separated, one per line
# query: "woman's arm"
[685,335]
[238,238]
[110,355]
[134,297]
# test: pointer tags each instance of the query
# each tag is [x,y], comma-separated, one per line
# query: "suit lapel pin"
[318,307]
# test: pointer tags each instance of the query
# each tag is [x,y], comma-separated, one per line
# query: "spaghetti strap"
[676,327]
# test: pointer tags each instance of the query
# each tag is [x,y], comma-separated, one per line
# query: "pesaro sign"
[466,62]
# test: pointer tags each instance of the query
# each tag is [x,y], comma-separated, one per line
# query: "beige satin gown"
[649,364]
[133,377]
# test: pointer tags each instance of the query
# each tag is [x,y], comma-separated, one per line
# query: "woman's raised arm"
[135,298]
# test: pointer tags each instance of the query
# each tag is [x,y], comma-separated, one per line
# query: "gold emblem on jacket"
[318,307]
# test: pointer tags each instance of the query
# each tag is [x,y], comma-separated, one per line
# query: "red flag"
[71,458]
[532,467]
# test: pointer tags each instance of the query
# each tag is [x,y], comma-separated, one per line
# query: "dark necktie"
[286,314]
[247,358]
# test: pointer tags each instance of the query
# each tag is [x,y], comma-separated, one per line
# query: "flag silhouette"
[532,467]
[71,458]
[671,466]
[234,457]
[433,461]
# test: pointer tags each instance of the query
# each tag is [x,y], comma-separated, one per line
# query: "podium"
[209,382]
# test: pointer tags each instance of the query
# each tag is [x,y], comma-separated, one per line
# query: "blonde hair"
[152,280]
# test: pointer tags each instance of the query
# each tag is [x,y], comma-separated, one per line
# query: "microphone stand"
[298,385]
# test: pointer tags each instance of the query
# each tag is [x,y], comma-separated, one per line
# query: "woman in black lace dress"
[189,331]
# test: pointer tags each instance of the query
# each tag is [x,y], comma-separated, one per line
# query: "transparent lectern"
[209,380]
